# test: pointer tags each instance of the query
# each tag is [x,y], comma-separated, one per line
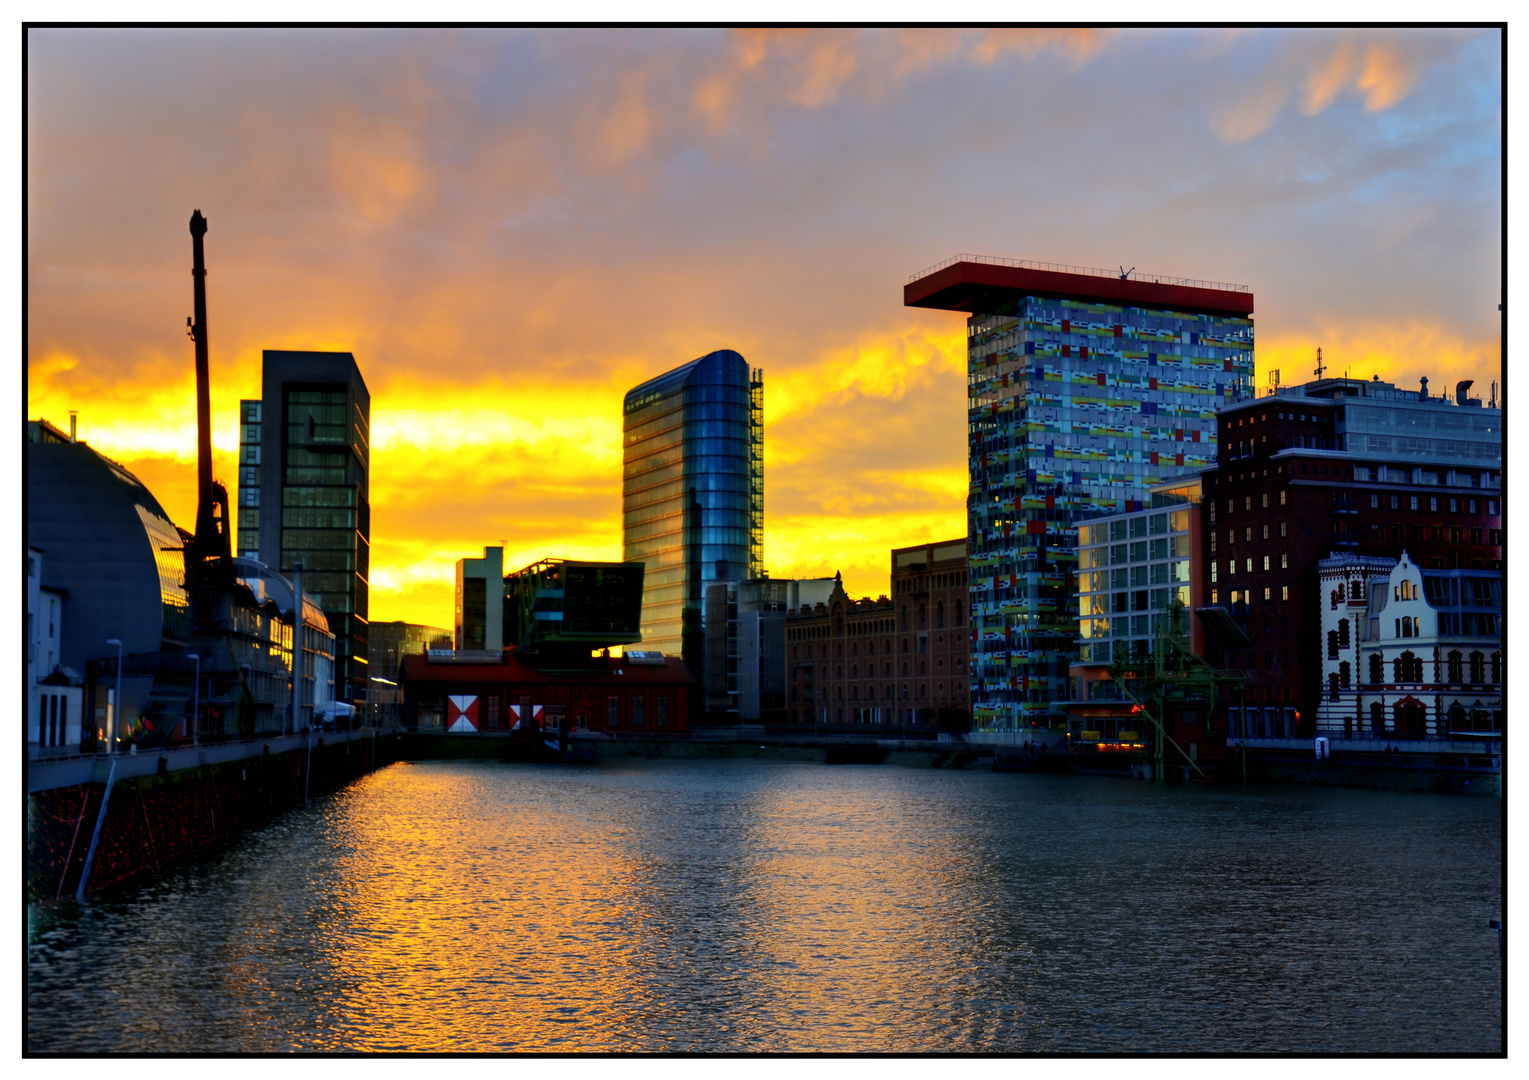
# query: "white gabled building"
[1409,654]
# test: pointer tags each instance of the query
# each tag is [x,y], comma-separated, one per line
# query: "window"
[1284,592]
[1343,634]
[1343,674]
[1282,528]
[1374,501]
[1266,562]
[1284,561]
[1266,532]
[1266,596]
[1396,502]
[661,711]
[1478,668]
[1247,502]
[1265,498]
[1413,503]
[1454,667]
[1332,644]
[1433,503]
[1247,533]
[1377,668]
[638,719]
[1282,498]
[613,712]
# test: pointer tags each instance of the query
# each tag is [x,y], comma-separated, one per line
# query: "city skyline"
[509,230]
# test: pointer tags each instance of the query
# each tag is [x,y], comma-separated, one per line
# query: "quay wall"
[158,815]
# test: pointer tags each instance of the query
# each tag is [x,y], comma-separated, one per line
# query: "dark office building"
[1086,389]
[693,493]
[304,460]
[1334,467]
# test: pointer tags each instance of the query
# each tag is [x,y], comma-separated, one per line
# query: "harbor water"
[737,906]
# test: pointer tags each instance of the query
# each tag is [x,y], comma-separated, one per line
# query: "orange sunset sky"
[509,229]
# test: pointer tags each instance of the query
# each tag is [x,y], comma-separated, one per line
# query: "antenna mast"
[1320,367]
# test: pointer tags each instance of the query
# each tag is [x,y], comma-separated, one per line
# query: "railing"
[1089,271]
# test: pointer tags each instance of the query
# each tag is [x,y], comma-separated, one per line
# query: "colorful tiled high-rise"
[1084,389]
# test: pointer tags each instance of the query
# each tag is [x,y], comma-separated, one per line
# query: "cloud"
[1318,68]
[509,229]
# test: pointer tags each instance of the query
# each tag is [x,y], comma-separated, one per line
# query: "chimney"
[73,425]
[1460,390]
[1423,393]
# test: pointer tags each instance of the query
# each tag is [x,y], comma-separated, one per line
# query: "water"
[752,906]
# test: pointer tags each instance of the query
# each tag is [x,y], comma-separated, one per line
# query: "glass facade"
[692,492]
[1075,409]
[1131,567]
[304,459]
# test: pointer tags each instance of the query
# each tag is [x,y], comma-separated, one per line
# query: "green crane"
[1170,676]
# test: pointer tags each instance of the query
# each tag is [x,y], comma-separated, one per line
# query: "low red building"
[620,695]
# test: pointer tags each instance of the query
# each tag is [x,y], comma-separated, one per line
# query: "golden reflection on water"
[755,906]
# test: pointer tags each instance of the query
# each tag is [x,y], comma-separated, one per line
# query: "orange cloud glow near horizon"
[510,229]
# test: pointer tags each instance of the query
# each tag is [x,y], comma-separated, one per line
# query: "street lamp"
[196,696]
[116,710]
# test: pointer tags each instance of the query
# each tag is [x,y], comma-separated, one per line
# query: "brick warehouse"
[1336,465]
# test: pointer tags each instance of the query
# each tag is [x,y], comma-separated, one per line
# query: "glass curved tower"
[692,492]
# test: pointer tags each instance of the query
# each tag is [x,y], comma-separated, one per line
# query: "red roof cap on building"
[971,283]
[526,669]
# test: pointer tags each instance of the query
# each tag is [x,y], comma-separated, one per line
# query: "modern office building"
[564,610]
[692,493]
[1086,388]
[1137,579]
[480,603]
[1132,567]
[387,643]
[1333,467]
[304,464]
[755,652]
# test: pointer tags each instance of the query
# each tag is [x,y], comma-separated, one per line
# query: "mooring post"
[95,837]
[308,773]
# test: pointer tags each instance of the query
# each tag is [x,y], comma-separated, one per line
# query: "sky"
[510,229]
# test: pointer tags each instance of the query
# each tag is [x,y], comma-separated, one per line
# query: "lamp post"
[116,710]
[196,696]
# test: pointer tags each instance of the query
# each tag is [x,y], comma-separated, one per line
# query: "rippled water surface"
[745,905]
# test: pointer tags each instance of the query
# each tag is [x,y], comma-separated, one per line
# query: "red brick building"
[623,696]
[1334,466]
[898,662]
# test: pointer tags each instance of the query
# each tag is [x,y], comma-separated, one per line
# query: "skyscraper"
[304,461]
[692,492]
[1085,389]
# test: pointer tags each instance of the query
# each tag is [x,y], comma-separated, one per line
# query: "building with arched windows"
[1409,654]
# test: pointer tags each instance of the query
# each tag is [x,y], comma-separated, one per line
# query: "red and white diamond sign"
[462,713]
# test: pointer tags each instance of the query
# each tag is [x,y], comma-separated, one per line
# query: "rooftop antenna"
[1320,367]
[1124,273]
[1493,403]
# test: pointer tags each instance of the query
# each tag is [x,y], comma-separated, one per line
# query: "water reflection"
[753,906]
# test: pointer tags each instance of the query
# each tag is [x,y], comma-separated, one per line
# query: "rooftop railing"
[1089,271]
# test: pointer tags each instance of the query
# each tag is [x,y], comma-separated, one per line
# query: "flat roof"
[973,283]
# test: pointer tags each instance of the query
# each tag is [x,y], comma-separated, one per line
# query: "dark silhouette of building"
[304,466]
